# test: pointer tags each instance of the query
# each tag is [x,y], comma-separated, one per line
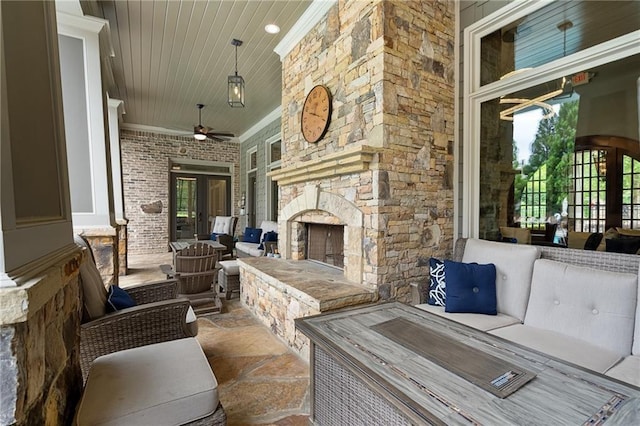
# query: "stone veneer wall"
[40,378]
[390,68]
[145,179]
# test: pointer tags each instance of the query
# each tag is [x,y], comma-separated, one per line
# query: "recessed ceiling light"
[272,28]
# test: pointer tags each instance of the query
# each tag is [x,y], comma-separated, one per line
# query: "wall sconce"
[236,83]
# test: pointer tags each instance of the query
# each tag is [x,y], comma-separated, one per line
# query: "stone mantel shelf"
[340,163]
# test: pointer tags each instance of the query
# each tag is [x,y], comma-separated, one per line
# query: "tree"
[554,146]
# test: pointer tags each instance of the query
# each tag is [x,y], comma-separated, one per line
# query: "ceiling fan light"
[236,91]
[200,136]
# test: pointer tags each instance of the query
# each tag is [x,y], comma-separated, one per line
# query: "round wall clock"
[316,114]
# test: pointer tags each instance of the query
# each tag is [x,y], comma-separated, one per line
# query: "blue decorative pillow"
[214,236]
[252,235]
[470,288]
[268,236]
[437,285]
[118,299]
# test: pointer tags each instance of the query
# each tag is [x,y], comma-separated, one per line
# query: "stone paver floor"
[260,381]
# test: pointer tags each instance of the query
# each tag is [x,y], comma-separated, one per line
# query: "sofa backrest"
[589,304]
[224,225]
[268,226]
[514,267]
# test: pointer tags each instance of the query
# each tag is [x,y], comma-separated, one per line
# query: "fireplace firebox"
[325,243]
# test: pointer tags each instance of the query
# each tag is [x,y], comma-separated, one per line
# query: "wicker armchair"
[158,317]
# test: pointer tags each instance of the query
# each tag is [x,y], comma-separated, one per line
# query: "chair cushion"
[561,346]
[514,267]
[117,299]
[94,292]
[164,383]
[230,267]
[477,321]
[192,322]
[471,288]
[589,304]
[222,225]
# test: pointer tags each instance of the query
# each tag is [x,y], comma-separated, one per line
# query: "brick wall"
[390,68]
[145,178]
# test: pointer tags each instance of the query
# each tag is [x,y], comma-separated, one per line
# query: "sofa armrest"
[419,291]
[132,327]
[153,291]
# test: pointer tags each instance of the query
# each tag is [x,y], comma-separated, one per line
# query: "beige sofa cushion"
[168,383]
[94,292]
[561,346]
[628,370]
[477,321]
[588,304]
[514,267]
[522,235]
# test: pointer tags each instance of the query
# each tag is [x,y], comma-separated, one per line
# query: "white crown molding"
[266,120]
[314,13]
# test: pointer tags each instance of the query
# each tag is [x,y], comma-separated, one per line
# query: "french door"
[196,199]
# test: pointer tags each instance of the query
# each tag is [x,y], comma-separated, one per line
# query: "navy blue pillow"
[470,288]
[252,235]
[118,299]
[268,236]
[214,236]
[437,284]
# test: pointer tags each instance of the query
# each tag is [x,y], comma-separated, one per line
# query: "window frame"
[474,94]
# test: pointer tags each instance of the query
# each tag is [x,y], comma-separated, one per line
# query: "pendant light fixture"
[236,83]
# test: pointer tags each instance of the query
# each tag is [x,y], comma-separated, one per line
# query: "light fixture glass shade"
[236,91]
[200,136]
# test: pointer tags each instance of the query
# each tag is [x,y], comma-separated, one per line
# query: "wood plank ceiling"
[172,54]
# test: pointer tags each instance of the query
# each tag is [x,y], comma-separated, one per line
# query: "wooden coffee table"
[396,364]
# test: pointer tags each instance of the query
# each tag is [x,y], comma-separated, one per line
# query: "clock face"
[316,114]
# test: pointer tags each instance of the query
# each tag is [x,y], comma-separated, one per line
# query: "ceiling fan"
[201,132]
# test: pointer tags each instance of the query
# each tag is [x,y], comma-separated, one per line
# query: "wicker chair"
[157,317]
[225,228]
[195,269]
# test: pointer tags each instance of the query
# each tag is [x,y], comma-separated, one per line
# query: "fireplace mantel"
[340,163]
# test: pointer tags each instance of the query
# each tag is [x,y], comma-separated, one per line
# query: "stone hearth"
[278,291]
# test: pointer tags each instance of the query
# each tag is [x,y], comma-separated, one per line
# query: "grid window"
[588,198]
[630,192]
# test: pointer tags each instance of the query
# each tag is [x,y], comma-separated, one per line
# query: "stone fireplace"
[384,169]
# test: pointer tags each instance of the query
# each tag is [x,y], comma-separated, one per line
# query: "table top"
[431,392]
[179,245]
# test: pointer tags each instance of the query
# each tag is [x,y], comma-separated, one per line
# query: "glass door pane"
[186,190]
[218,200]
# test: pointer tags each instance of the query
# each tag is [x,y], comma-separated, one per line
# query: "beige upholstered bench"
[165,383]
[229,277]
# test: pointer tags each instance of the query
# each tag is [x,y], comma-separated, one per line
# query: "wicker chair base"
[217,418]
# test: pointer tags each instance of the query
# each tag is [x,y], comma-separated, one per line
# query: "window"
[579,81]
[274,155]
[588,198]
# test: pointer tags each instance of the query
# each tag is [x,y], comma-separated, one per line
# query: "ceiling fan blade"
[224,134]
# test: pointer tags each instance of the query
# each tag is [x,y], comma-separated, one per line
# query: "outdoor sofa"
[576,305]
